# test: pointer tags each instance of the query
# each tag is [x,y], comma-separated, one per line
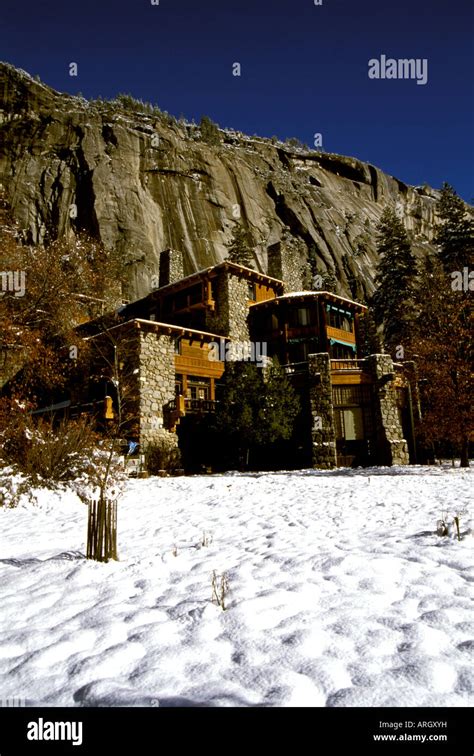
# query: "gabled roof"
[214,270]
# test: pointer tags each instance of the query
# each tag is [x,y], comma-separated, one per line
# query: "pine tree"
[254,409]
[369,340]
[320,278]
[455,236]
[395,281]
[209,131]
[240,249]
[279,407]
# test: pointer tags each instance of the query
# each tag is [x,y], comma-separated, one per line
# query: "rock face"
[144,183]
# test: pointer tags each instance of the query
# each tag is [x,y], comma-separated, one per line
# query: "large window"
[337,318]
[341,352]
[199,388]
[300,316]
[353,412]
[299,351]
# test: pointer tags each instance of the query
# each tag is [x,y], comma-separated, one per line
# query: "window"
[199,388]
[303,316]
[349,423]
[353,424]
[341,352]
[300,316]
[271,322]
[340,319]
[252,292]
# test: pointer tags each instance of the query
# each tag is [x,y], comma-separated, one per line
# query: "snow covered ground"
[341,594]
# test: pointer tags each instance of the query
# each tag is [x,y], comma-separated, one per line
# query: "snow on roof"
[292,294]
[165,326]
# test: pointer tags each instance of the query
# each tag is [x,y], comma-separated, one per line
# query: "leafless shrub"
[206,538]
[162,455]
[49,452]
[220,589]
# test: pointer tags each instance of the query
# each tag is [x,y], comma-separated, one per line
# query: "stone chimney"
[171,267]
[287,262]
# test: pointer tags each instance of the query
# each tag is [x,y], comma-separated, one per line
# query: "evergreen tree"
[455,236]
[369,339]
[240,247]
[279,407]
[254,409]
[319,278]
[395,281]
[209,131]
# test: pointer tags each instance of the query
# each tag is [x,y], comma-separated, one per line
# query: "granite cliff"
[143,182]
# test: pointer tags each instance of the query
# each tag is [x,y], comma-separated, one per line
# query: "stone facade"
[393,448]
[230,316]
[171,267]
[157,385]
[322,411]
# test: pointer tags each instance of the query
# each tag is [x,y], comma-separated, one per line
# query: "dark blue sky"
[304,69]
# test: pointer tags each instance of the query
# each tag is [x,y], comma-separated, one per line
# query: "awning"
[344,343]
[339,309]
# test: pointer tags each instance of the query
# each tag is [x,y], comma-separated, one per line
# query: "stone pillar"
[238,293]
[171,267]
[322,411]
[157,386]
[393,448]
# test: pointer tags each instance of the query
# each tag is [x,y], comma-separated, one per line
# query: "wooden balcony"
[341,335]
[349,372]
[183,406]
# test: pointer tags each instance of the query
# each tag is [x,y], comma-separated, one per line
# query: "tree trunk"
[465,453]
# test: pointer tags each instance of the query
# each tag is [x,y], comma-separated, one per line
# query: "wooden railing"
[295,367]
[193,405]
[353,365]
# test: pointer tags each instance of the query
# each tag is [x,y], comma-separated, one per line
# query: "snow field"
[341,594]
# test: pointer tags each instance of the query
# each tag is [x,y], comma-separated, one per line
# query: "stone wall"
[157,385]
[393,448]
[171,267]
[230,317]
[322,411]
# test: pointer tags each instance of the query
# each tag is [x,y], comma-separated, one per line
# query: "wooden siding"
[341,335]
[350,379]
[264,292]
[194,360]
